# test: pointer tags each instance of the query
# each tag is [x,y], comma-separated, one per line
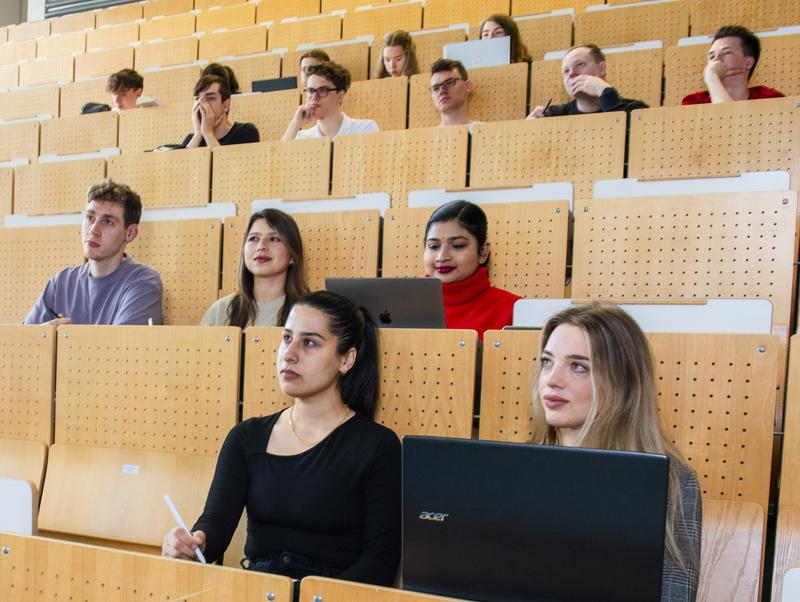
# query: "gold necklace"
[307,443]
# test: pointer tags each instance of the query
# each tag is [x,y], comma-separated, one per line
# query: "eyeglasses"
[321,92]
[446,84]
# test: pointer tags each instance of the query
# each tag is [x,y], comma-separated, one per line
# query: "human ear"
[348,361]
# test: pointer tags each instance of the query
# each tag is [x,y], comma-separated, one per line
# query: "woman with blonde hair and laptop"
[595,387]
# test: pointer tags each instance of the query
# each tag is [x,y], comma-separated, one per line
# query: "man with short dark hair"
[584,74]
[212,103]
[732,58]
[450,89]
[110,288]
[126,87]
[309,59]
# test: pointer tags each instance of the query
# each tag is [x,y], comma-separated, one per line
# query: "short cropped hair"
[224,72]
[449,65]
[109,191]
[124,79]
[751,46]
[316,53]
[333,72]
[205,82]
[597,54]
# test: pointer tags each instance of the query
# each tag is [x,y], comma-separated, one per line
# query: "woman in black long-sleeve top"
[320,480]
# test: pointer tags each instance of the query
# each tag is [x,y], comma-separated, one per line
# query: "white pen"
[182,525]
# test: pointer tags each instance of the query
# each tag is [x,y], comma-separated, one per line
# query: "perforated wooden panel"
[172,86]
[17,51]
[19,140]
[535,7]
[206,4]
[429,48]
[384,100]
[60,44]
[19,104]
[55,187]
[124,13]
[23,263]
[329,6]
[166,388]
[27,365]
[260,67]
[246,172]
[228,17]
[441,13]
[262,394]
[73,22]
[172,179]
[327,28]
[546,34]
[162,8]
[529,245]
[707,15]
[724,139]
[778,67]
[29,30]
[180,51]
[271,112]
[382,19]
[337,590]
[186,253]
[666,21]
[499,93]
[104,62]
[174,26]
[400,161]
[275,10]
[6,192]
[79,134]
[149,128]
[354,57]
[245,40]
[790,469]
[580,149]
[75,95]
[634,74]
[55,69]
[112,37]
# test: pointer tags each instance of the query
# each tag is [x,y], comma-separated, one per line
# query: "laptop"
[275,85]
[475,54]
[512,522]
[395,302]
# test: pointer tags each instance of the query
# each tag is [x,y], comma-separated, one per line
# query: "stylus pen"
[547,106]
[182,525]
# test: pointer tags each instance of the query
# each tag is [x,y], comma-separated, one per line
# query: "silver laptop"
[395,302]
[490,52]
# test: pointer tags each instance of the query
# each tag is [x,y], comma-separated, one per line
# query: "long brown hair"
[624,410]
[406,42]
[519,52]
[243,309]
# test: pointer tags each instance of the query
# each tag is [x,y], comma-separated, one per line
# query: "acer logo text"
[434,516]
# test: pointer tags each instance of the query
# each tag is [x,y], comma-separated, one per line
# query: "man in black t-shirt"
[212,102]
[584,72]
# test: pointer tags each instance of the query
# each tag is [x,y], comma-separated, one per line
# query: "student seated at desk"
[500,26]
[595,387]
[271,275]
[457,252]
[398,57]
[212,104]
[320,479]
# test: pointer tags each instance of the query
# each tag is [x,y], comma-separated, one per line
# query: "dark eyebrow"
[450,238]
[306,334]
[572,357]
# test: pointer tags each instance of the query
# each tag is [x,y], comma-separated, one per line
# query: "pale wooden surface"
[247,70]
[169,179]
[787,545]
[55,187]
[60,44]
[326,28]
[171,389]
[104,62]
[790,467]
[429,48]
[172,86]
[227,17]
[667,22]
[528,241]
[76,94]
[778,67]
[275,10]
[173,26]
[20,104]
[73,22]
[18,51]
[23,263]
[580,149]
[400,161]
[56,69]
[186,254]
[261,392]
[163,8]
[535,7]
[79,134]
[29,30]
[9,77]
[382,19]
[546,34]
[6,191]
[732,551]
[384,100]
[94,574]
[313,589]
[112,37]
[19,140]
[441,13]
[245,172]
[245,40]
[206,4]
[499,94]
[348,5]
[271,112]
[725,140]
[707,15]
[23,459]
[123,13]
[353,56]
[179,51]
[146,129]
[635,74]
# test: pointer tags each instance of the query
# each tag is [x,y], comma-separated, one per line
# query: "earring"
[291,262]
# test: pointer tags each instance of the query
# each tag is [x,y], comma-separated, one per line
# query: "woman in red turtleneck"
[457,252]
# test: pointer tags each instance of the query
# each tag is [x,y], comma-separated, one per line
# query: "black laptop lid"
[506,522]
[275,84]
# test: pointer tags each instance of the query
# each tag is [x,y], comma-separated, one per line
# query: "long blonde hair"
[624,409]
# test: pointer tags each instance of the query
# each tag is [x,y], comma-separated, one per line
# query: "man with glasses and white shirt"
[450,90]
[326,86]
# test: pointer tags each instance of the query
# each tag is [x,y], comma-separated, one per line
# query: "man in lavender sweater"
[110,288]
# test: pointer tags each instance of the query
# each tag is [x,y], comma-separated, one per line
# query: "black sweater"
[610,100]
